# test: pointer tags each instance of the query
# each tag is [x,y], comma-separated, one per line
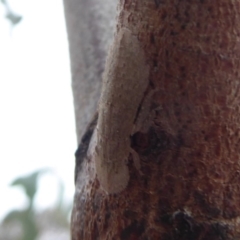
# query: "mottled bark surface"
[189,186]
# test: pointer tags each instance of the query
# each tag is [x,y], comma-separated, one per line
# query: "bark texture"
[90,25]
[188,145]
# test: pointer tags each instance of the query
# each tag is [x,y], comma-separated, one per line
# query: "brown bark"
[188,183]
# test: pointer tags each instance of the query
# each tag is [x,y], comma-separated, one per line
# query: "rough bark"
[188,135]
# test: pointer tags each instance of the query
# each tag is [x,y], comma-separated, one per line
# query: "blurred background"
[37,129]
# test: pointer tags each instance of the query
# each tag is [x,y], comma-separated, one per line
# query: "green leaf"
[11,16]
[29,183]
[14,215]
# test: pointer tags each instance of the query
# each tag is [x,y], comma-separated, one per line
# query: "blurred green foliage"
[10,15]
[27,217]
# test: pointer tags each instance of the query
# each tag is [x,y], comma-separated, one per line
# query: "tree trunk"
[163,162]
[90,25]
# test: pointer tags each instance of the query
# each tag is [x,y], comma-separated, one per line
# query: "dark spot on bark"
[155,63]
[182,69]
[183,27]
[156,3]
[145,209]
[152,38]
[183,224]
[173,33]
[151,84]
[176,104]
[164,15]
[165,219]
[177,113]
[140,140]
[163,206]
[164,140]
[106,220]
[167,236]
[202,202]
[95,206]
[130,214]
[152,143]
[186,13]
[183,137]
[145,181]
[146,200]
[133,231]
[80,154]
[210,9]
[107,215]
[95,232]
[186,228]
